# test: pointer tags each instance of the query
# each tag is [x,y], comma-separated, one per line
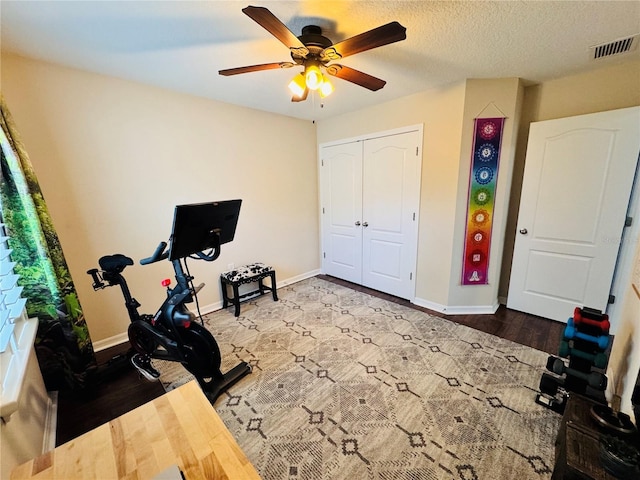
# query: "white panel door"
[391,195]
[577,183]
[341,178]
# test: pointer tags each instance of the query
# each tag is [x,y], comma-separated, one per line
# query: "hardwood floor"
[120,388]
[535,332]
[117,390]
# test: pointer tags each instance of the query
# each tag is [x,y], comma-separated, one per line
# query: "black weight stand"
[581,375]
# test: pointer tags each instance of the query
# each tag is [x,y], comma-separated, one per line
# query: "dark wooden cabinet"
[578,444]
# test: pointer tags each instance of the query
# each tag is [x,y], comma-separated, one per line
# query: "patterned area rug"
[350,386]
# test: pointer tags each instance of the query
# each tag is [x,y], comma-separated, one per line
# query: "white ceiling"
[181,45]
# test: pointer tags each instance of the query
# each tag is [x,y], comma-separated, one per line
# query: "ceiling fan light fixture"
[297,85]
[313,51]
[313,76]
[326,88]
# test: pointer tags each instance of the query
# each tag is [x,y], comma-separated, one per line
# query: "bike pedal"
[145,368]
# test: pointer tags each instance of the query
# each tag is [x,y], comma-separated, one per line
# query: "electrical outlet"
[231,266]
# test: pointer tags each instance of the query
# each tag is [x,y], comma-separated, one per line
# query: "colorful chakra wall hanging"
[482,191]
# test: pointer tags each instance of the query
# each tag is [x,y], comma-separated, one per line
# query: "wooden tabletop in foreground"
[179,428]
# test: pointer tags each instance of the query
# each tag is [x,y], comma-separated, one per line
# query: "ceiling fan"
[314,51]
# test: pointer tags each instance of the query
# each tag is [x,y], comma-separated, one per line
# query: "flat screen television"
[198,227]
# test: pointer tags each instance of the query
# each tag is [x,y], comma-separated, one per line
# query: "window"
[11,302]
[17,333]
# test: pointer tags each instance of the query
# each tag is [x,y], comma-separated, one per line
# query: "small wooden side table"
[179,428]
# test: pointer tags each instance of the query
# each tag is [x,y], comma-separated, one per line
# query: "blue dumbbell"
[571,332]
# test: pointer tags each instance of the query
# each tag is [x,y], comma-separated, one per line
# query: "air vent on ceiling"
[622,45]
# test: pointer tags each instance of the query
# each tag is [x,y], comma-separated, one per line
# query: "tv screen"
[196,226]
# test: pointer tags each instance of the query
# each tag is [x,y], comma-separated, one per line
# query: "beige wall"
[608,88]
[485,98]
[114,158]
[445,175]
[446,157]
[447,116]
[624,362]
[441,113]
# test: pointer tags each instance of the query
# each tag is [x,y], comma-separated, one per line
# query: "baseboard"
[213,307]
[110,342]
[50,423]
[436,307]
[457,310]
[204,309]
[279,284]
[299,278]
[473,309]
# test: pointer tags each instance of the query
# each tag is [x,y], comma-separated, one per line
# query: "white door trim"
[367,136]
[419,128]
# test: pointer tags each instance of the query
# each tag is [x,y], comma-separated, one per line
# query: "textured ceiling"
[181,45]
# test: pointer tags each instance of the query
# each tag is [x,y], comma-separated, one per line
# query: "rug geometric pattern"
[350,386]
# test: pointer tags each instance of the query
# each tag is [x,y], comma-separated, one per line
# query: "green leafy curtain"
[63,345]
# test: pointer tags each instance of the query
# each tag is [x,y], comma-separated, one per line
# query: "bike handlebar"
[158,255]
[210,257]
[97,281]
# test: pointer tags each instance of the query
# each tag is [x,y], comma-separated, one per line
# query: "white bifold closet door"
[370,194]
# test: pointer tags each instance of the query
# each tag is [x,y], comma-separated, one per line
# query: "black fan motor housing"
[312,37]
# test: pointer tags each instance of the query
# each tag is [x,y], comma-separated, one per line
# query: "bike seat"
[114,263]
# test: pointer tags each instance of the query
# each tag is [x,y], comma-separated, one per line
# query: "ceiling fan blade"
[355,76]
[302,98]
[274,26]
[254,68]
[384,35]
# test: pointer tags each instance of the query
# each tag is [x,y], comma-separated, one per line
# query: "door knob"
[365,224]
[524,231]
[358,223]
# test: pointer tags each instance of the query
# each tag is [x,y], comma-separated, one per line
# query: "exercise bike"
[173,333]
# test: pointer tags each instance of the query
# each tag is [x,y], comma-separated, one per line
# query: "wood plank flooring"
[116,391]
[120,388]
[535,332]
